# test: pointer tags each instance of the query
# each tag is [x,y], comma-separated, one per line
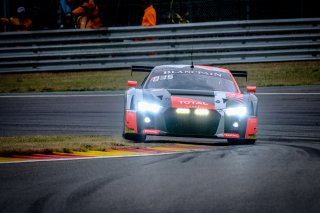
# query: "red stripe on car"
[231,135]
[131,121]
[252,124]
[151,131]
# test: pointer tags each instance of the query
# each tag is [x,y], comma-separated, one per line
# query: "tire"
[241,141]
[134,137]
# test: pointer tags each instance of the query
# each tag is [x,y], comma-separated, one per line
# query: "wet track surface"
[278,174]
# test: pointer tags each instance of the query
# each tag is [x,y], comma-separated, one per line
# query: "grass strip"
[259,74]
[280,74]
[27,145]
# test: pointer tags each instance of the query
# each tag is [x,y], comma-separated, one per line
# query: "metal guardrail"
[115,48]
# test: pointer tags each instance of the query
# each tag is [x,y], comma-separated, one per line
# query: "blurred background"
[47,14]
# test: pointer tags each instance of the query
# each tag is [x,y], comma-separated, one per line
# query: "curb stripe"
[174,148]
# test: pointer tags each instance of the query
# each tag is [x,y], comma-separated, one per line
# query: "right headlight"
[148,107]
[236,111]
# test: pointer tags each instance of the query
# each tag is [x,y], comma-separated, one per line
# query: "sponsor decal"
[127,130]
[252,137]
[161,78]
[180,102]
[210,73]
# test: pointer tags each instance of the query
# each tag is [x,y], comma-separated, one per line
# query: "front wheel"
[241,141]
[134,137]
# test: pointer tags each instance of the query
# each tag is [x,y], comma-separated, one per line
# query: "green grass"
[260,74]
[67,81]
[66,144]
[281,74]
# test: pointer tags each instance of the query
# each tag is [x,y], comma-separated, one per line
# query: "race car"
[190,101]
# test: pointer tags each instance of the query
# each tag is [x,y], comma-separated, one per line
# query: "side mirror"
[251,89]
[132,84]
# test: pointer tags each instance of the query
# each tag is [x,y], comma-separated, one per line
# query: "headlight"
[202,112]
[148,107]
[183,110]
[236,111]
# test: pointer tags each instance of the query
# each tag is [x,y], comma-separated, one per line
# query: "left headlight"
[148,107]
[236,111]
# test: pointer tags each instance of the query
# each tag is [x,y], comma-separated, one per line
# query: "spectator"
[67,17]
[150,16]
[149,19]
[176,18]
[88,15]
[19,23]
[65,7]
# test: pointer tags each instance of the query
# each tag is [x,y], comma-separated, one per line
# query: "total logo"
[182,102]
[193,103]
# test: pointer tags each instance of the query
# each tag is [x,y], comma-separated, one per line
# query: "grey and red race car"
[190,101]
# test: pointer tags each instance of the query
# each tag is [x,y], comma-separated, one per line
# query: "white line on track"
[118,95]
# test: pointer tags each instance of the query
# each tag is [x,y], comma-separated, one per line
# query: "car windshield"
[187,78]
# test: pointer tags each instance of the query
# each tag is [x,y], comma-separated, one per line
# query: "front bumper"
[213,125]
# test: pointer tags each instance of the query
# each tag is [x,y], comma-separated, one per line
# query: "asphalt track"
[278,174]
[284,113]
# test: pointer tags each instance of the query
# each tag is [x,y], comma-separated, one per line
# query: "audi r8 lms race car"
[190,101]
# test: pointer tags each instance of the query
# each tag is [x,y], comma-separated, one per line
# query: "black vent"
[191,124]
